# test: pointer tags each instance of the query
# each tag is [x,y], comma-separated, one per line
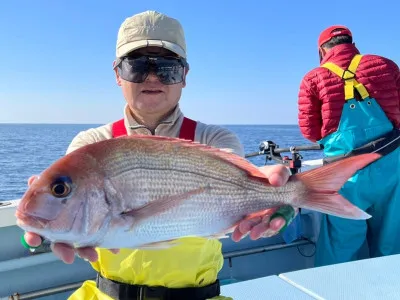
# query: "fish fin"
[241,163]
[321,186]
[224,236]
[156,137]
[218,236]
[261,213]
[161,205]
[227,150]
[224,154]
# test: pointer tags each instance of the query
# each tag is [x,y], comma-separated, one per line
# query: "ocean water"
[27,149]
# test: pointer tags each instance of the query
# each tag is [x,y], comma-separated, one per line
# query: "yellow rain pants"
[192,262]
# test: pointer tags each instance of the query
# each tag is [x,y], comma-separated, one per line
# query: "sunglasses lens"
[133,70]
[168,70]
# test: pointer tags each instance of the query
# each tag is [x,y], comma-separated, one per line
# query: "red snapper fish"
[144,191]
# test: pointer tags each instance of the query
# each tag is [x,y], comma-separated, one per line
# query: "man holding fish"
[188,269]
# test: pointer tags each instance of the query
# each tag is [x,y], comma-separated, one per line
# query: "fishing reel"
[272,152]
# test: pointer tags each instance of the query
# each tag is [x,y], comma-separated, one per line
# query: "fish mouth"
[25,220]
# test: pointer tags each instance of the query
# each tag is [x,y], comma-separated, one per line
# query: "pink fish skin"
[146,191]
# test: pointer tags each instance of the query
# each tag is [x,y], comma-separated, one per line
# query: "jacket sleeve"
[398,85]
[309,112]
[90,136]
[81,139]
[219,137]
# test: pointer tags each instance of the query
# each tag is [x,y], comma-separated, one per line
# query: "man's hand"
[273,219]
[65,252]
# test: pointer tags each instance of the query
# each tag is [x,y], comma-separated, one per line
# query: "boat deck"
[367,279]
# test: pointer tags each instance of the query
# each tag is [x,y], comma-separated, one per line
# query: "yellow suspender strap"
[348,76]
[354,63]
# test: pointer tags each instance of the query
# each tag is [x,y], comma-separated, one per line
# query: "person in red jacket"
[350,105]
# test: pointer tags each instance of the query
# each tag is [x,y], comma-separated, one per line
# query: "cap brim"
[132,46]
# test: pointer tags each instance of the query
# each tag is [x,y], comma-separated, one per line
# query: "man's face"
[151,97]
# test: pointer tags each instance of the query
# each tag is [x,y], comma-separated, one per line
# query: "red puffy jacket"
[321,95]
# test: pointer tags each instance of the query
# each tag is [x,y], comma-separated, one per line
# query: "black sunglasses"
[169,70]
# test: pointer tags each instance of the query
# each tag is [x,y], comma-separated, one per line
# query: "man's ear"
[117,77]
[321,52]
[184,79]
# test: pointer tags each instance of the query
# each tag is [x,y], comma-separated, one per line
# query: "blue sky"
[247,57]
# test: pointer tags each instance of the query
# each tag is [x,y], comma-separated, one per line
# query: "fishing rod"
[273,152]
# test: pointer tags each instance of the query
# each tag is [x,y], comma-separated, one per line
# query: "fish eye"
[61,187]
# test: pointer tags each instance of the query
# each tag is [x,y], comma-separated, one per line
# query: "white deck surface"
[368,279]
[376,278]
[271,287]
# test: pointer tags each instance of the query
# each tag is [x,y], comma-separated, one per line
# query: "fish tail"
[321,186]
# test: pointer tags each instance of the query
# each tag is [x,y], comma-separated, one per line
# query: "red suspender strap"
[187,132]
[118,128]
[188,129]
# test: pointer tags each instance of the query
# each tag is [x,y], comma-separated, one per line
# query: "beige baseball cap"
[150,28]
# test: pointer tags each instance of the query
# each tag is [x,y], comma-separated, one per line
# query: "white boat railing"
[7,212]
